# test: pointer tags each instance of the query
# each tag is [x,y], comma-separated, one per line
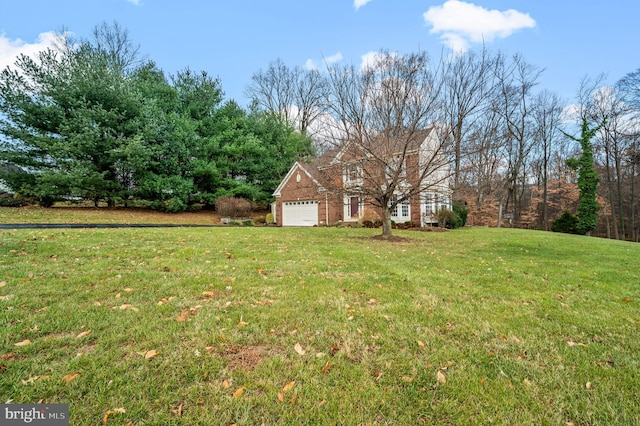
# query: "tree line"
[517,150]
[91,120]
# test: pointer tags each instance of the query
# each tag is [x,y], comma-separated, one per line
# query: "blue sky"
[233,39]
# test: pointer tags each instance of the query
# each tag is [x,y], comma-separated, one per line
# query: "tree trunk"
[386,222]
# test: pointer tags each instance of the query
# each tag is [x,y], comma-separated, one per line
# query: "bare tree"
[609,109]
[628,89]
[516,80]
[113,42]
[295,95]
[468,84]
[547,112]
[383,115]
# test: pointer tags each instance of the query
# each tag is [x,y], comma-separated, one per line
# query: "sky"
[233,39]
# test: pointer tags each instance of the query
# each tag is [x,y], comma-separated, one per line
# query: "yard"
[253,325]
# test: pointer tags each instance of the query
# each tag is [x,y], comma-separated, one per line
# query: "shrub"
[447,219]
[172,205]
[462,212]
[233,207]
[6,200]
[45,200]
[269,219]
[368,223]
[566,223]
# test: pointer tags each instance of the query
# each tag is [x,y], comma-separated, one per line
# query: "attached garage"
[300,213]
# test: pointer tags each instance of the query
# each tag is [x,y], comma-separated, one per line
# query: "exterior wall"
[299,187]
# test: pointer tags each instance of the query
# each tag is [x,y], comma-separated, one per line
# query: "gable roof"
[377,145]
[306,168]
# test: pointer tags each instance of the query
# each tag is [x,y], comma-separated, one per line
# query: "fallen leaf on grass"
[588,386]
[207,293]
[238,393]
[105,419]
[179,409]
[25,342]
[280,397]
[407,379]
[6,297]
[150,354]
[226,384]
[288,386]
[70,377]
[32,379]
[299,349]
[3,283]
[83,334]
[183,316]
[441,378]
[420,344]
[326,368]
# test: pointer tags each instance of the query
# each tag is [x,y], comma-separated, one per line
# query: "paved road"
[96,225]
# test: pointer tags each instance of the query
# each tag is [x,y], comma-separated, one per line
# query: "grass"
[320,326]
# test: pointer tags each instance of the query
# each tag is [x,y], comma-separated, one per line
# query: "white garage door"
[299,213]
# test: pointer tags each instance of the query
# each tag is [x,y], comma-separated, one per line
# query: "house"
[328,190]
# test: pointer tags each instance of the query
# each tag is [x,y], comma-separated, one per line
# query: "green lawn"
[320,326]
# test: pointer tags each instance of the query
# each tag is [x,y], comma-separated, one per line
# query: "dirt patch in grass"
[246,357]
[390,238]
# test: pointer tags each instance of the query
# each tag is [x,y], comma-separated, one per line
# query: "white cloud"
[328,60]
[460,24]
[333,58]
[310,65]
[10,49]
[359,3]
[136,2]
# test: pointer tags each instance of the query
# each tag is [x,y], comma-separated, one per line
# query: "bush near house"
[233,207]
[447,219]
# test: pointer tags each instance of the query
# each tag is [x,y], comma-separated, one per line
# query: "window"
[398,164]
[352,173]
[444,202]
[428,203]
[401,209]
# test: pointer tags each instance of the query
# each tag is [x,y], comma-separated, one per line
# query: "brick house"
[324,191]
